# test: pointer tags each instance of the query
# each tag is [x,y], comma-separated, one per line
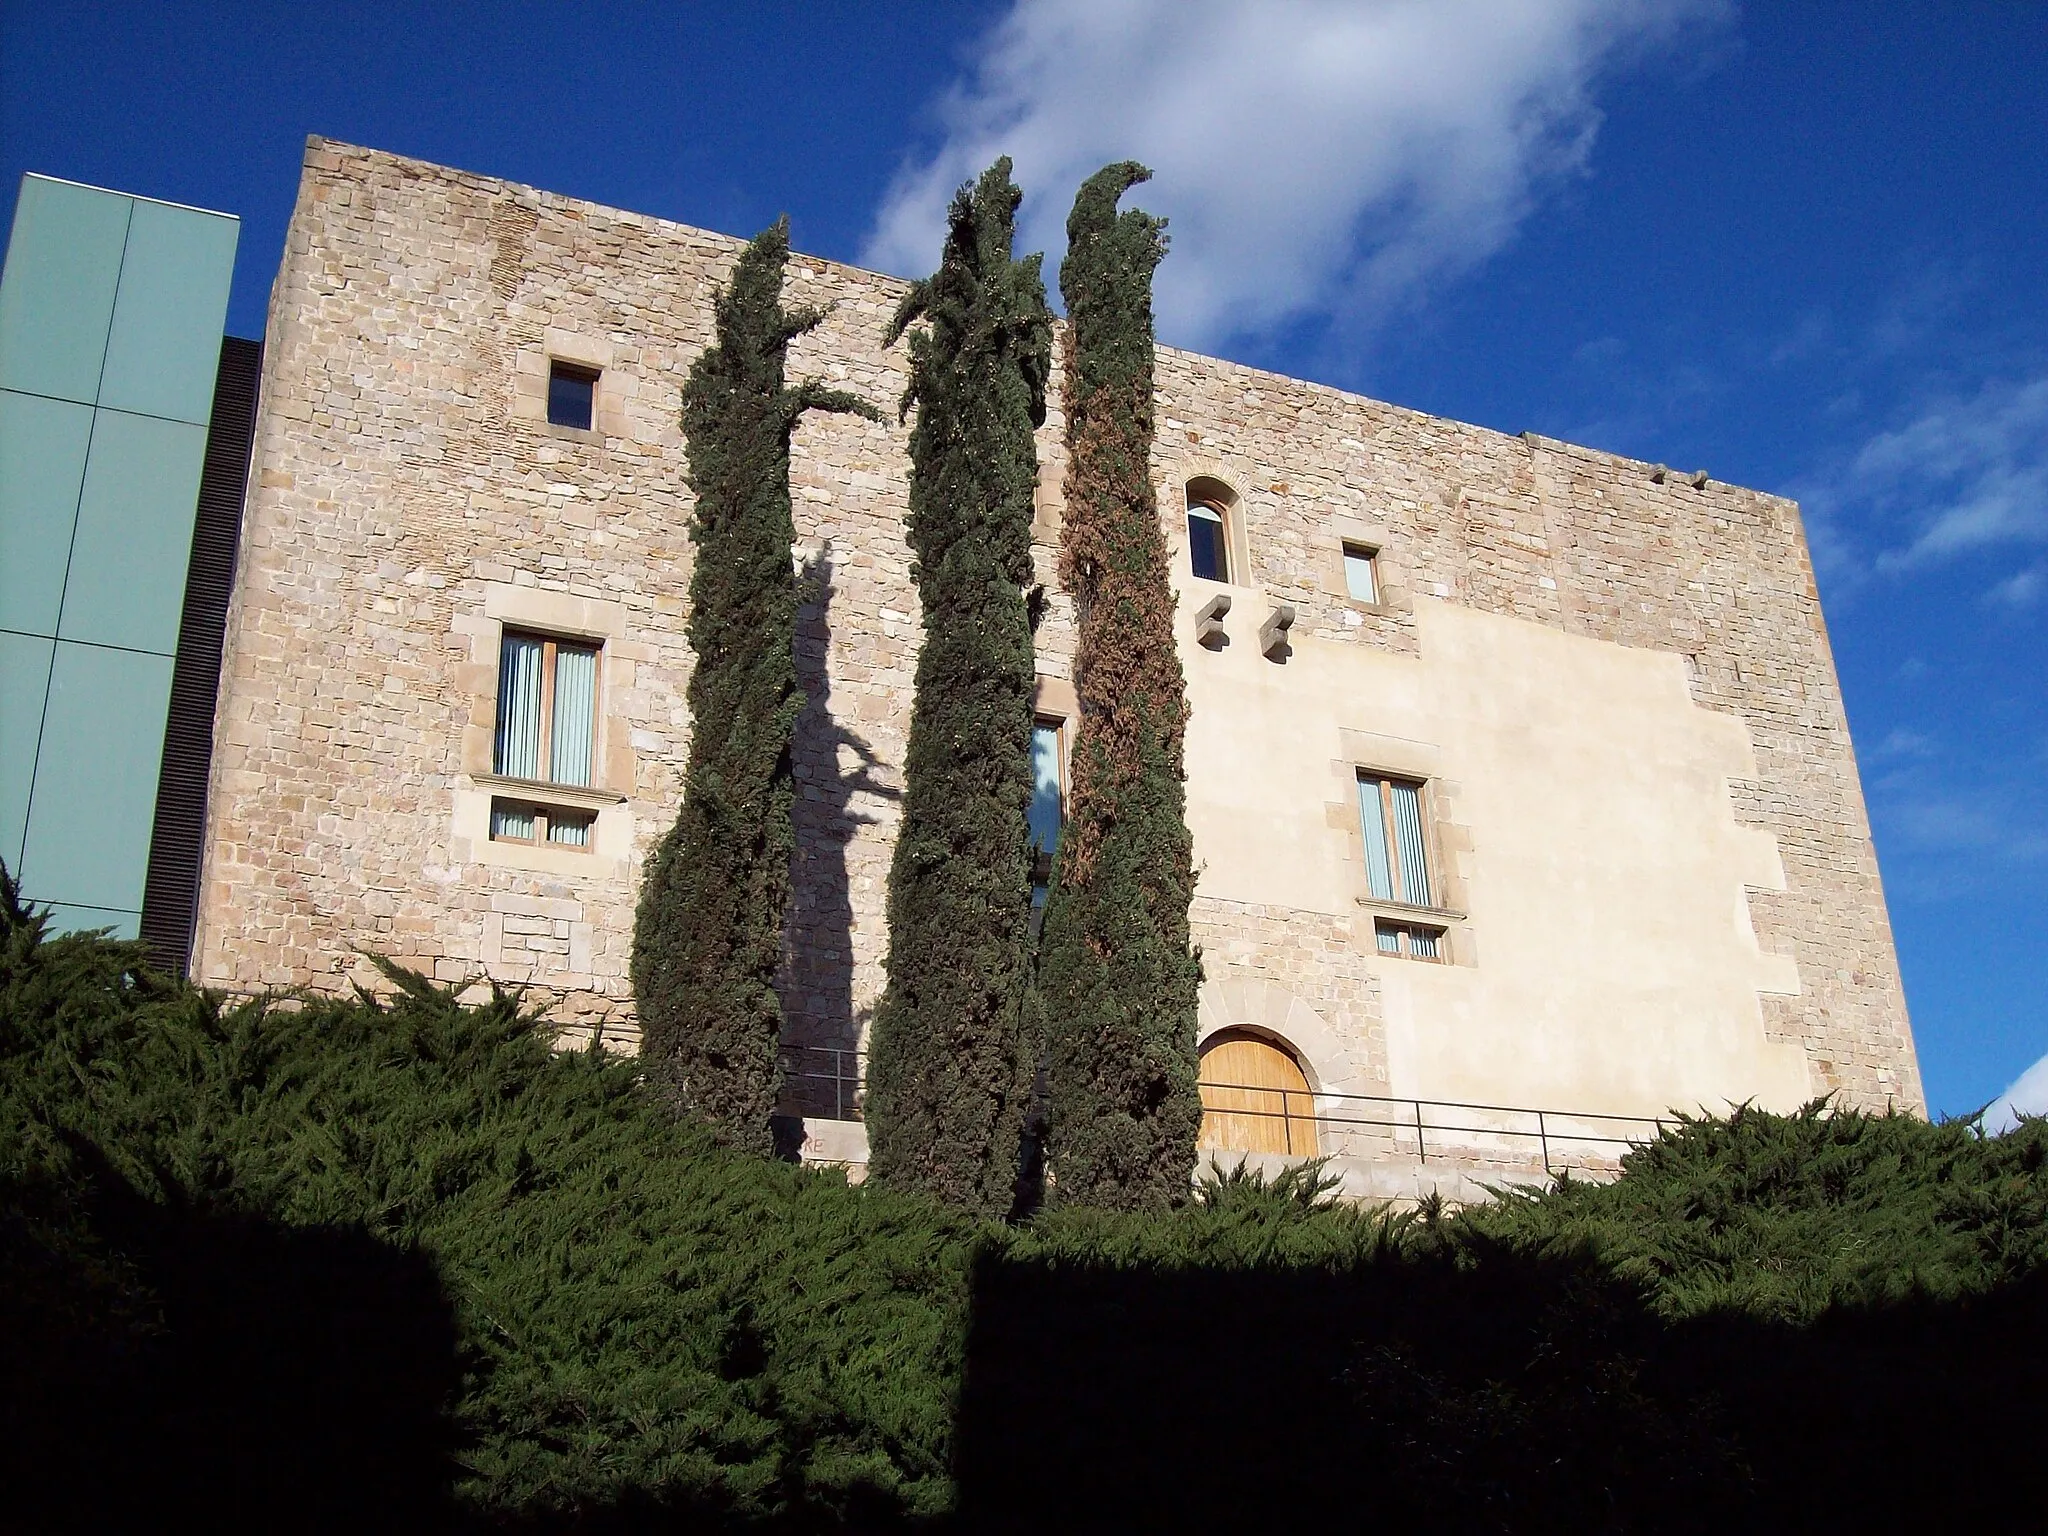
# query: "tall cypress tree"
[947,1075]
[708,934]
[1116,981]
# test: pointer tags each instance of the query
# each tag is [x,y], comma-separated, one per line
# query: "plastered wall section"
[1618,689]
[408,501]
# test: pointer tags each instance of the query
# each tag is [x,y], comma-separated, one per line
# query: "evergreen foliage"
[1116,982]
[371,1265]
[947,1069]
[1783,1217]
[708,934]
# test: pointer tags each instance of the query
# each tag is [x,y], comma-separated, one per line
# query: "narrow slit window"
[547,710]
[1390,823]
[1208,541]
[572,396]
[1048,807]
[1361,573]
[1048,787]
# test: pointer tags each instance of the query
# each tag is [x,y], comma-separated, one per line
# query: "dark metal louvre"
[170,897]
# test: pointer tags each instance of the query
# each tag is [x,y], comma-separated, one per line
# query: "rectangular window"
[572,396]
[570,829]
[1208,541]
[547,710]
[1361,572]
[1048,806]
[1390,818]
[513,821]
[1048,785]
[1408,939]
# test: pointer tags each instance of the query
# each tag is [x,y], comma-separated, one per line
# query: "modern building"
[124,432]
[1520,783]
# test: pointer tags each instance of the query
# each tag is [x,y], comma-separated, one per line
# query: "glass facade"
[111,310]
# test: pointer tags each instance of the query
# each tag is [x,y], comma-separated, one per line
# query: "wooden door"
[1255,1098]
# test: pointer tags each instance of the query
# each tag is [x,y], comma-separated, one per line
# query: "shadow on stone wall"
[818,953]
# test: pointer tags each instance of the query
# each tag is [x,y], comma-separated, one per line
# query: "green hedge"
[397,1263]
[601,1308]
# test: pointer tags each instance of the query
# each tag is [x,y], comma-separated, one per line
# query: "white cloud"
[1967,473]
[2022,588]
[1315,158]
[2028,1096]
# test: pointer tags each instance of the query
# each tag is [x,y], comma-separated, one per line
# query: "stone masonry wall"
[408,497]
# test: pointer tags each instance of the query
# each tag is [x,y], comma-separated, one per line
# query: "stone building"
[1518,772]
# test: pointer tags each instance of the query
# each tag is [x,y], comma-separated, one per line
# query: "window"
[1410,939]
[547,710]
[1211,507]
[572,396]
[1390,816]
[515,822]
[1048,806]
[1361,572]
[1208,549]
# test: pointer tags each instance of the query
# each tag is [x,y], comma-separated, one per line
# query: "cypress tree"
[947,1076]
[1116,982]
[708,934]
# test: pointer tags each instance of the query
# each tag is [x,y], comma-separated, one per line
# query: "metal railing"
[817,1075]
[1304,1115]
[829,1081]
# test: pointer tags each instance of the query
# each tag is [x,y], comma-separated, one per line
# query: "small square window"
[570,829]
[572,396]
[1361,572]
[513,823]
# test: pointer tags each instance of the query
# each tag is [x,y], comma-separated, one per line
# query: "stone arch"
[1228,473]
[1262,1007]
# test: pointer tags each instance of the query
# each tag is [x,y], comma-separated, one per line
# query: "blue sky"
[1801,247]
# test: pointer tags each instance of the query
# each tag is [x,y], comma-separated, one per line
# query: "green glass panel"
[66,918]
[94,804]
[57,298]
[164,348]
[42,462]
[134,541]
[24,676]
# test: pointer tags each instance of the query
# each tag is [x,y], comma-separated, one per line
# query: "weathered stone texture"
[408,497]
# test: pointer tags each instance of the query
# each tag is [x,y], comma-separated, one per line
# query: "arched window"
[1255,1097]
[1212,508]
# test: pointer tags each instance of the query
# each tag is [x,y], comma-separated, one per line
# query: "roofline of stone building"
[1534,441]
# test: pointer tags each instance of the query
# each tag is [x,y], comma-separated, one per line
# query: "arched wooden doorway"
[1255,1097]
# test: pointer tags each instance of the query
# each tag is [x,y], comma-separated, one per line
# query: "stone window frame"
[1389,572]
[1446,844]
[1219,493]
[532,366]
[1237,476]
[544,808]
[562,368]
[565,616]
